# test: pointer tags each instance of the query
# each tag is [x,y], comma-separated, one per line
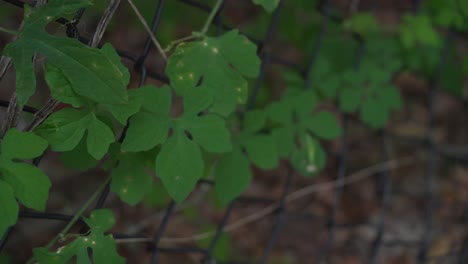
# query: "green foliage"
[102,245]
[362,23]
[9,212]
[369,91]
[180,165]
[65,129]
[213,136]
[268,5]
[416,30]
[232,176]
[105,82]
[20,180]
[130,181]
[226,61]
[448,13]
[297,128]
[149,127]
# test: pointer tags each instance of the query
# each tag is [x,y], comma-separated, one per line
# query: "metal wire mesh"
[281,215]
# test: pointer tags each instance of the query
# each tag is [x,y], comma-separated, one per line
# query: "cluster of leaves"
[210,75]
[102,245]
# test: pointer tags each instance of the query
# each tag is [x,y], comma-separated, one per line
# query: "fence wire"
[281,215]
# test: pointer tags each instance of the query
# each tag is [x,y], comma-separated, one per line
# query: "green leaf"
[155,99]
[101,220]
[60,87]
[130,180]
[31,186]
[350,99]
[268,5]
[103,246]
[303,103]
[418,30]
[262,151]
[284,140]
[8,207]
[324,125]
[390,97]
[121,112]
[197,100]
[100,136]
[374,113]
[79,158]
[226,61]
[279,112]
[254,120]
[92,73]
[179,165]
[22,145]
[64,129]
[232,176]
[362,23]
[157,196]
[209,132]
[146,130]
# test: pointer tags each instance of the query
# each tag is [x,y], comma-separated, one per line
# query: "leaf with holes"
[102,246]
[179,165]
[92,73]
[130,180]
[209,132]
[227,60]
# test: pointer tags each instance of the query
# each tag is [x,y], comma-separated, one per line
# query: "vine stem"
[211,17]
[75,218]
[148,29]
[178,41]
[9,31]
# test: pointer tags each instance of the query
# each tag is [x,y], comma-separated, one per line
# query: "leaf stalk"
[211,17]
[9,31]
